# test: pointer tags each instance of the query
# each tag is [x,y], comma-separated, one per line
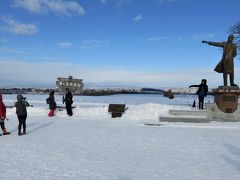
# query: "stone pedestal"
[226,98]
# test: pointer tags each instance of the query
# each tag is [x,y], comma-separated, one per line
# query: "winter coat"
[2,110]
[205,87]
[68,98]
[226,64]
[21,105]
[52,103]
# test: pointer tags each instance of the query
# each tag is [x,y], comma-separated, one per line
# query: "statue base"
[226,98]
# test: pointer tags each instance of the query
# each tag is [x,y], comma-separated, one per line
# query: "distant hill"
[151,90]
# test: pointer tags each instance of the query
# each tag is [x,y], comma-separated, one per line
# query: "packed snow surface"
[91,145]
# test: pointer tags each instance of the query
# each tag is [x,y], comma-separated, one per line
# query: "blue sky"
[153,43]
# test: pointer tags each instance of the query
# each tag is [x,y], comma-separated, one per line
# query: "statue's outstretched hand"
[204,42]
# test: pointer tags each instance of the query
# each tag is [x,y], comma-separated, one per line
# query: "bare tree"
[235,29]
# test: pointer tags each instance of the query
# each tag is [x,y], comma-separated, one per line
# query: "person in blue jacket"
[201,92]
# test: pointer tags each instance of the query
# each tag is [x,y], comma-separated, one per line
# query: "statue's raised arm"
[218,44]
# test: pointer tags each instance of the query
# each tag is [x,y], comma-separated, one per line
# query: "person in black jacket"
[21,111]
[52,104]
[68,101]
[201,92]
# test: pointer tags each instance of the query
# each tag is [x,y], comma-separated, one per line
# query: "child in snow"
[3,116]
[52,104]
[21,111]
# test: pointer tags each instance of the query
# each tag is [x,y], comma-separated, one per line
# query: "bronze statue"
[226,65]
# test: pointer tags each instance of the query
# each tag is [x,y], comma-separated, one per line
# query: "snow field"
[90,145]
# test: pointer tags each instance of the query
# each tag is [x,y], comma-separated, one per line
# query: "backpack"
[48,100]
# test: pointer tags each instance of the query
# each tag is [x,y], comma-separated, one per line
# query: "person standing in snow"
[52,104]
[3,116]
[201,92]
[68,101]
[21,111]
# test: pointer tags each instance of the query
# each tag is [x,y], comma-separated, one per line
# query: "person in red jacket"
[3,116]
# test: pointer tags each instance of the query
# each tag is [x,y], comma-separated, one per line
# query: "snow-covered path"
[91,145]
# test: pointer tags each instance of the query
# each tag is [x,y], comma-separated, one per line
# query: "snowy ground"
[91,145]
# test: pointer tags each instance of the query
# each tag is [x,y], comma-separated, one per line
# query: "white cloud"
[162,38]
[86,44]
[157,38]
[3,40]
[120,3]
[16,27]
[103,1]
[138,18]
[6,50]
[60,7]
[165,1]
[116,3]
[180,38]
[64,44]
[203,36]
[48,72]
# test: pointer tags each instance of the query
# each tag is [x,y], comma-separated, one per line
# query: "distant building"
[74,85]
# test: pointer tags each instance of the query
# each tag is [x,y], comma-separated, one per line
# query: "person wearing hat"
[21,111]
[226,65]
[68,102]
[3,116]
